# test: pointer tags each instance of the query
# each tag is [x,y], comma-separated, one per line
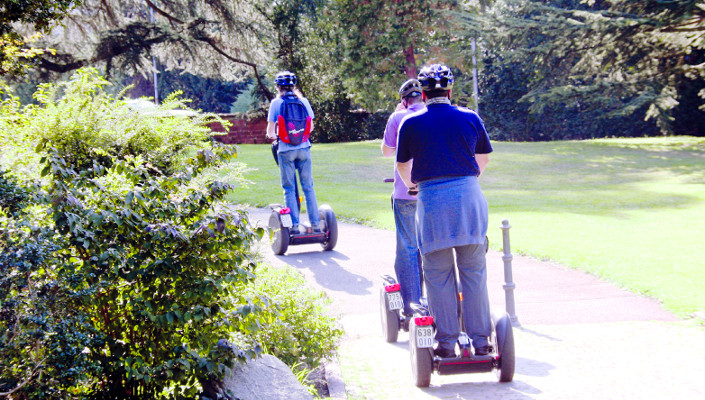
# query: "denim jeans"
[290,162]
[442,289]
[407,264]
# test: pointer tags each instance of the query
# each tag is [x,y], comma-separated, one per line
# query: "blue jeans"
[441,287]
[290,162]
[407,264]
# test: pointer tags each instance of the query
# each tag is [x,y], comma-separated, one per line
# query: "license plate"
[394,301]
[424,337]
[286,220]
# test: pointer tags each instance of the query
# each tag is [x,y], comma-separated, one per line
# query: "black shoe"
[483,350]
[444,353]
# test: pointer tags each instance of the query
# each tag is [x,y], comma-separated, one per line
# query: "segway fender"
[502,322]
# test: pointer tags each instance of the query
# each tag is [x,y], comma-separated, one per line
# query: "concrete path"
[580,337]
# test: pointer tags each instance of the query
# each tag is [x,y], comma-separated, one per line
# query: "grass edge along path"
[627,210]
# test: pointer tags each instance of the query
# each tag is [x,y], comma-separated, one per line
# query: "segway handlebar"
[411,192]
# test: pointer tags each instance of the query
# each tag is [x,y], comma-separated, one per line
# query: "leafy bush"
[42,330]
[337,122]
[126,289]
[12,195]
[84,123]
[296,326]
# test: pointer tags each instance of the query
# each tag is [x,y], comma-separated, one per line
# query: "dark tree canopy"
[39,13]
[618,56]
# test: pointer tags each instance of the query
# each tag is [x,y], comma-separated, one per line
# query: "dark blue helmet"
[285,78]
[436,76]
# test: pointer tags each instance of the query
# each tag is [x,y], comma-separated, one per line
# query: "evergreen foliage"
[216,39]
[618,57]
[582,68]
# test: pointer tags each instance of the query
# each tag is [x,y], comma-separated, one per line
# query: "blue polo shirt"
[442,132]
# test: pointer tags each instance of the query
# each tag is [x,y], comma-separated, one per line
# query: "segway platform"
[424,362]
[281,223]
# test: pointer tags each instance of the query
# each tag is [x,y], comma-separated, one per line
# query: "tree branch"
[209,41]
[26,382]
[164,13]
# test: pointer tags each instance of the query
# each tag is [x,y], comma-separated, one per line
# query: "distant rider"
[407,263]
[293,158]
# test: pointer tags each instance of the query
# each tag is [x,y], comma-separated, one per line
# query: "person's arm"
[482,160]
[389,139]
[312,125]
[388,151]
[271,132]
[404,169]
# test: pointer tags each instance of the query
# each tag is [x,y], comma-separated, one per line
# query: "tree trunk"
[410,67]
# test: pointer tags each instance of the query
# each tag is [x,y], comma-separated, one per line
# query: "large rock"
[264,378]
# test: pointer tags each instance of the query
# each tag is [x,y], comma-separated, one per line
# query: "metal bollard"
[509,285]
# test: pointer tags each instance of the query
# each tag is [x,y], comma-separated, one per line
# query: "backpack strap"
[282,133]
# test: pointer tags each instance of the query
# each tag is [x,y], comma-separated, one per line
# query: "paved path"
[580,338]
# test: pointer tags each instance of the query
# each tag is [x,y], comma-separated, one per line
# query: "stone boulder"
[264,378]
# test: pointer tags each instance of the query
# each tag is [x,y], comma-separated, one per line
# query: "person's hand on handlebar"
[413,191]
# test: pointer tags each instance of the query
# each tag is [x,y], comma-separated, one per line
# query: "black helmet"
[410,88]
[436,76]
[285,78]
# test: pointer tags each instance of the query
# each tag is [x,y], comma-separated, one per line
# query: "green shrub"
[120,277]
[12,196]
[43,331]
[84,123]
[296,326]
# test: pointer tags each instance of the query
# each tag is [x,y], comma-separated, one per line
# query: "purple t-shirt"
[390,140]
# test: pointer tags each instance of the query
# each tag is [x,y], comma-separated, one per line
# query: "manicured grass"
[628,210]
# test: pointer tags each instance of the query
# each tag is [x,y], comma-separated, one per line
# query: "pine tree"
[617,55]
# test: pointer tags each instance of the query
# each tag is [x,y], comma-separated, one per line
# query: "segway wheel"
[328,216]
[280,242]
[421,359]
[390,319]
[505,349]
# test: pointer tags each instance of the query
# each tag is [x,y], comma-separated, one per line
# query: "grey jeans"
[441,288]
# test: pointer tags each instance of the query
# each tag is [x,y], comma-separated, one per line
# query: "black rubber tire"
[421,360]
[280,241]
[390,319]
[326,213]
[507,356]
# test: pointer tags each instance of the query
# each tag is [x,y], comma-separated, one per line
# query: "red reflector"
[423,321]
[392,288]
[285,210]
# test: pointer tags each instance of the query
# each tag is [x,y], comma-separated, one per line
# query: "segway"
[391,305]
[390,308]
[424,362]
[281,223]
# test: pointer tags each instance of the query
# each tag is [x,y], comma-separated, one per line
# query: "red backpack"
[293,123]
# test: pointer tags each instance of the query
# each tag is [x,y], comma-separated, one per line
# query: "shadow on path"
[328,272]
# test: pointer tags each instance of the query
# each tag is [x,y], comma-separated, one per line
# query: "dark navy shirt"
[442,140]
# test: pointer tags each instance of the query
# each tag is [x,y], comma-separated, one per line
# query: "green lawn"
[628,210]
